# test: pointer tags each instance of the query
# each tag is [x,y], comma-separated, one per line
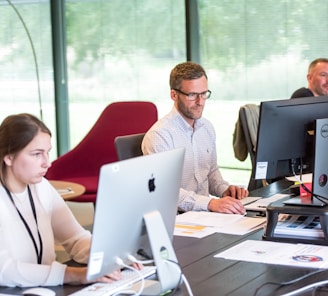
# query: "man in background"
[317,78]
[202,186]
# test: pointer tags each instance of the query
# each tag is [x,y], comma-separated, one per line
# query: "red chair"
[82,163]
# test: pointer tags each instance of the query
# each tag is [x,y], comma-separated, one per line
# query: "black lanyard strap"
[37,251]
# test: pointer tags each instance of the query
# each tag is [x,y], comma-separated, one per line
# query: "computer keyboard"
[129,277]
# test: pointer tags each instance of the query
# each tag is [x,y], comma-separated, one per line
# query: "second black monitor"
[285,136]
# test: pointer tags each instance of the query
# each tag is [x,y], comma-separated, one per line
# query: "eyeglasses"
[194,96]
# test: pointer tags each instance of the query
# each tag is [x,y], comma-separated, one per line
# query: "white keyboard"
[129,277]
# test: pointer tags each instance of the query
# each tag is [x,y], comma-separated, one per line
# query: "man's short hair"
[185,71]
[315,62]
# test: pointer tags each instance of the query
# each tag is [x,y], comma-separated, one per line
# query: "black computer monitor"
[285,139]
[135,210]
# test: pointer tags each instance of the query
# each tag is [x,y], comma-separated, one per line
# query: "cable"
[299,180]
[306,288]
[135,260]
[181,279]
[176,264]
[120,262]
[143,253]
[34,54]
[187,285]
[289,282]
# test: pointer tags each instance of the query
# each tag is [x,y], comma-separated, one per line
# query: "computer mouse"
[39,291]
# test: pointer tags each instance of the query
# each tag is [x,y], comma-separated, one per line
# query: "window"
[120,50]
[254,51]
[124,50]
[26,77]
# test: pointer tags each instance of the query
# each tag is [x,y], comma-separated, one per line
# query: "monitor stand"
[279,207]
[169,274]
[305,201]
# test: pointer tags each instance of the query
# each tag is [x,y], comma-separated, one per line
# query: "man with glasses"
[202,186]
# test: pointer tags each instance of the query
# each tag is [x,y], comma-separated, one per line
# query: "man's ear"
[309,77]
[8,159]
[174,95]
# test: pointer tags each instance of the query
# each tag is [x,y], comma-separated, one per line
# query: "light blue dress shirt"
[201,176]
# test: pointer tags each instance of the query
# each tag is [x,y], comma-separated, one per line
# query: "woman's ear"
[8,159]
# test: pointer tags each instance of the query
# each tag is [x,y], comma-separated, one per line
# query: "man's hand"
[226,205]
[235,192]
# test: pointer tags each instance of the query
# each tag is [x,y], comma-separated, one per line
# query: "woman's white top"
[56,223]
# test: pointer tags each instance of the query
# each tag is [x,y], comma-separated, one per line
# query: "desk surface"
[68,190]
[217,277]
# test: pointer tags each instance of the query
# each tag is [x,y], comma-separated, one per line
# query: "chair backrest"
[97,147]
[250,143]
[249,116]
[129,146]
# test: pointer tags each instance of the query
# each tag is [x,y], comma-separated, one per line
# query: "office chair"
[245,137]
[129,146]
[82,164]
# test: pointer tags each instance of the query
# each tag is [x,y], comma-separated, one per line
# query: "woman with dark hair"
[33,216]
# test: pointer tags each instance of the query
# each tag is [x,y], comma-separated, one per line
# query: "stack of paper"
[200,224]
[298,225]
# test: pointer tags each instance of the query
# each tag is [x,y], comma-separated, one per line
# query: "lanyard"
[37,251]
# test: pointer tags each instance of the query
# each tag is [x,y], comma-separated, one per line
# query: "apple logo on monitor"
[151,184]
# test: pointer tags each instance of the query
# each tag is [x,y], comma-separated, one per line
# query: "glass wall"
[253,50]
[256,50]
[120,50]
[26,76]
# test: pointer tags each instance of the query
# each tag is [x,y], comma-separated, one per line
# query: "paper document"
[197,231]
[306,178]
[298,225]
[210,222]
[304,255]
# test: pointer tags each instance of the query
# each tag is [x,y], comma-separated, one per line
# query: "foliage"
[233,32]
[14,42]
[119,28]
[246,32]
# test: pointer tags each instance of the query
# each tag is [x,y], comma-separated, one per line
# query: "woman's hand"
[78,275]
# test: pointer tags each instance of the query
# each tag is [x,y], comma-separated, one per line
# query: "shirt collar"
[183,123]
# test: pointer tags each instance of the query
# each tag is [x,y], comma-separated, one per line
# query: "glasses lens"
[194,96]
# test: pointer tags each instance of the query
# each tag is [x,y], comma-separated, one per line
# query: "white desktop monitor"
[128,192]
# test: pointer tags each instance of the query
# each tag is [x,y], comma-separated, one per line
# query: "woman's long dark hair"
[16,132]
